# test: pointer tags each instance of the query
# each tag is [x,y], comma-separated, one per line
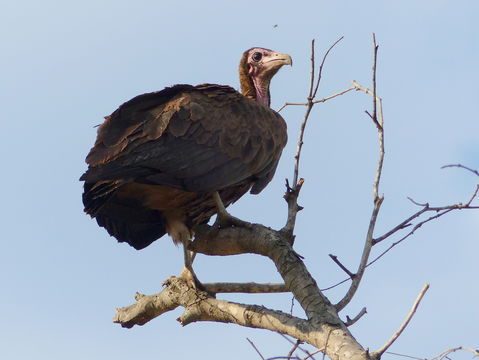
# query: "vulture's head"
[257,68]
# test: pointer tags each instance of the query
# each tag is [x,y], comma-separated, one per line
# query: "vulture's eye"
[257,56]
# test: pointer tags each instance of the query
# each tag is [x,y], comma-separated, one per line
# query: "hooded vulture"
[161,159]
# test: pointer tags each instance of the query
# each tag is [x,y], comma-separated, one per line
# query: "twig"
[440,211]
[335,259]
[350,322]
[335,285]
[308,354]
[467,205]
[322,64]
[292,192]
[426,208]
[291,104]
[295,346]
[417,203]
[377,354]
[334,95]
[402,355]
[374,117]
[254,347]
[377,118]
[442,355]
[312,95]
[318,101]
[451,350]
[417,226]
[326,345]
[404,224]
[461,166]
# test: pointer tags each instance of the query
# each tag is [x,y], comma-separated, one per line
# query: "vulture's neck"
[261,88]
[256,88]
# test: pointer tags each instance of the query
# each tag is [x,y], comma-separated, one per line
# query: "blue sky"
[65,65]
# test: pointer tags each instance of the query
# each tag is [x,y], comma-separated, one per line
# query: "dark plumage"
[159,157]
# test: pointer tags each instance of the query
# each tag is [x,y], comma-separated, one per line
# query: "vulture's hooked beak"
[281,59]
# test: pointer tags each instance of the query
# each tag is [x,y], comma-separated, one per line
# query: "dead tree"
[322,326]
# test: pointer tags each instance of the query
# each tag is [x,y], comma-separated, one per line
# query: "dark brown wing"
[194,139]
[202,138]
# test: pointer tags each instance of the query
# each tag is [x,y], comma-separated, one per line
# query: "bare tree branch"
[442,355]
[248,288]
[322,326]
[320,73]
[318,101]
[378,120]
[311,78]
[265,241]
[292,192]
[427,208]
[335,340]
[309,355]
[445,353]
[293,349]
[334,95]
[403,355]
[258,239]
[378,353]
[439,210]
[254,347]
[344,268]
[310,104]
[461,166]
[350,321]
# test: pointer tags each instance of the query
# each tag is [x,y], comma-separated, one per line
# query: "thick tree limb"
[249,288]
[200,306]
[322,327]
[261,240]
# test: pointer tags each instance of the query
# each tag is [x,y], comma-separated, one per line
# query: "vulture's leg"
[182,234]
[223,217]
[188,273]
[188,255]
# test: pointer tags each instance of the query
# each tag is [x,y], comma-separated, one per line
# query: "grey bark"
[322,327]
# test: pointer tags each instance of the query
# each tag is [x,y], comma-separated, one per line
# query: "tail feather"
[125,219]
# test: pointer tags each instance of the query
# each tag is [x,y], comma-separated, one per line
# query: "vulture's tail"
[125,219]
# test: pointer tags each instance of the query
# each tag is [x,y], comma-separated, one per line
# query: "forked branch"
[292,191]
[378,120]
[322,328]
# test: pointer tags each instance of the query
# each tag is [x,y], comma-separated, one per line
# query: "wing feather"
[193,138]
